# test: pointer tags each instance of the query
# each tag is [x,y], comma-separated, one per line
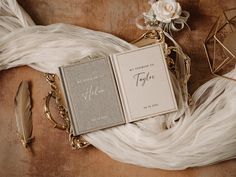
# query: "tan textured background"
[51,154]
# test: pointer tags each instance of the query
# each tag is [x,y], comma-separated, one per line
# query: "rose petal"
[179,9]
[166,10]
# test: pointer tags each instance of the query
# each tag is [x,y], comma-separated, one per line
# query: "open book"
[117,89]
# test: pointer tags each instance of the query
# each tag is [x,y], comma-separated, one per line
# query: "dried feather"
[22,104]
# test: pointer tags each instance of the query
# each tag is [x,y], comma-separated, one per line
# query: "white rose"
[166,10]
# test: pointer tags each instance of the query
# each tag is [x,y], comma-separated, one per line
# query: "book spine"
[113,73]
[120,88]
[66,96]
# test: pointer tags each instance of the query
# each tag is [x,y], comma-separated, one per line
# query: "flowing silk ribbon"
[145,23]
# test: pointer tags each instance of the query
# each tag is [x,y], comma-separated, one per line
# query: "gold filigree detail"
[77,142]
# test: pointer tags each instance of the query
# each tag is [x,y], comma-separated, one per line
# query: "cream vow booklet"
[118,89]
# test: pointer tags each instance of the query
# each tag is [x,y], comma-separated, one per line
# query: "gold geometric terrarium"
[220,44]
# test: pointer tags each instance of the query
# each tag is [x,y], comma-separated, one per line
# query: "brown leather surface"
[51,154]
